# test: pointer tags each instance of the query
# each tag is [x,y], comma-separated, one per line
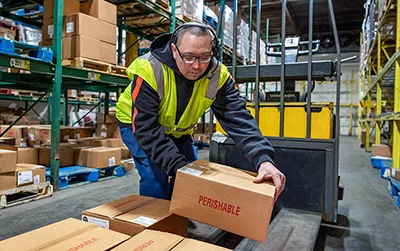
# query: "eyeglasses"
[189,58]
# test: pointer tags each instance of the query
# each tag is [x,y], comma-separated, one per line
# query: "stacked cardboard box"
[72,234]
[192,9]
[28,155]
[162,241]
[133,214]
[89,29]
[69,234]
[243,43]
[20,133]
[30,174]
[8,167]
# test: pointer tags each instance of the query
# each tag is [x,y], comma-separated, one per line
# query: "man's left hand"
[268,171]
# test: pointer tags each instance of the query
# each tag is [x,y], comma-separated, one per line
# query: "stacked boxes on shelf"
[190,9]
[263,57]
[228,27]
[31,143]
[88,30]
[14,174]
[243,39]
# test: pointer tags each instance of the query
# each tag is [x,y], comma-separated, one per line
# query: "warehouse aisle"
[374,219]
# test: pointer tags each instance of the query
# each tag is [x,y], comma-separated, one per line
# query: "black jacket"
[228,107]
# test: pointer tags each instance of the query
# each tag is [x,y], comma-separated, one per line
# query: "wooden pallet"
[118,70]
[88,99]
[163,4]
[184,18]
[87,64]
[25,194]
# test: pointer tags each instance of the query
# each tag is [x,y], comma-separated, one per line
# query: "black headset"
[214,43]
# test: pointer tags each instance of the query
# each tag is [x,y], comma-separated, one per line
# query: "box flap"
[65,235]
[151,240]
[194,245]
[148,213]
[227,176]
[118,207]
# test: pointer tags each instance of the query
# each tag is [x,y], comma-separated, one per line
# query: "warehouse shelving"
[55,79]
[373,71]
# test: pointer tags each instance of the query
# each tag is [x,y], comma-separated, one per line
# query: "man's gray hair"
[196,31]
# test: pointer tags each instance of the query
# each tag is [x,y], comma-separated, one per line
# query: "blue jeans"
[154,182]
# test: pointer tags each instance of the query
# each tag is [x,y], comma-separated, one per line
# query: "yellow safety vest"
[162,79]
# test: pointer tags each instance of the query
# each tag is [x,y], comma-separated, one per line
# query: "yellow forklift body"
[295,122]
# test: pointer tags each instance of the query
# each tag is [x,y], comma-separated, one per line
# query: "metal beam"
[21,19]
[292,21]
[293,71]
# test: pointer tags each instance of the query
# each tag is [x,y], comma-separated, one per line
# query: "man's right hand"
[268,171]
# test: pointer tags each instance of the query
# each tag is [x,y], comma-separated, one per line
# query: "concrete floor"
[368,220]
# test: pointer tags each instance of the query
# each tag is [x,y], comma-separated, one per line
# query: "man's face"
[191,46]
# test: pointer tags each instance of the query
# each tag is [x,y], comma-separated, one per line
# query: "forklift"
[305,137]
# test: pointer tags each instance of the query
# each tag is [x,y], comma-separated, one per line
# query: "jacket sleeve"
[230,110]
[149,133]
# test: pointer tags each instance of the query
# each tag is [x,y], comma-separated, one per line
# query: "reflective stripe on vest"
[158,73]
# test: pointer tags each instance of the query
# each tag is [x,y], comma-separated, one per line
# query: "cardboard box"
[363,138]
[195,245]
[81,46]
[109,32]
[17,132]
[70,6]
[133,214]
[69,234]
[83,141]
[107,130]
[128,165]
[109,118]
[223,197]
[82,24]
[7,141]
[381,150]
[160,241]
[73,25]
[30,174]
[80,157]
[7,181]
[24,154]
[395,173]
[106,142]
[108,53]
[43,133]
[125,153]
[103,157]
[81,132]
[101,9]
[8,161]
[66,156]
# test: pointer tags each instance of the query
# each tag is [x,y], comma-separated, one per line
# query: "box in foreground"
[159,241]
[133,214]
[223,197]
[69,234]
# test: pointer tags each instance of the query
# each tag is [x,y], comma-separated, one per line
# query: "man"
[172,86]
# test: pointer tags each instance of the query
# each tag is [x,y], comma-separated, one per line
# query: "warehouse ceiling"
[349,17]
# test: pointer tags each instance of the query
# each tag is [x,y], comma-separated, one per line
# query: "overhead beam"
[292,21]
[272,3]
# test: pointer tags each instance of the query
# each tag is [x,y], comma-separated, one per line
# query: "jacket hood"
[160,48]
